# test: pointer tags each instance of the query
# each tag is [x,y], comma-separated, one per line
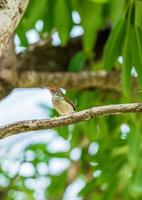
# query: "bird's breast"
[62,106]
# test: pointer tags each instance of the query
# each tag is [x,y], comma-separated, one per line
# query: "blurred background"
[99,159]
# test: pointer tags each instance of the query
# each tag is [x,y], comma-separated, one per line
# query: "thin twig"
[40,124]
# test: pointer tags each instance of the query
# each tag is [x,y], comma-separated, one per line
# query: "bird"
[60,102]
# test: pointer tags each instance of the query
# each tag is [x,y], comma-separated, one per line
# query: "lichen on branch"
[42,124]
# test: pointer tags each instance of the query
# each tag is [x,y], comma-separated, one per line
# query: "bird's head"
[55,91]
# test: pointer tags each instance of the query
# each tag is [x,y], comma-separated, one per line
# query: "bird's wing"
[68,100]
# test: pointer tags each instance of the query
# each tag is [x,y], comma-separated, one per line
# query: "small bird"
[61,103]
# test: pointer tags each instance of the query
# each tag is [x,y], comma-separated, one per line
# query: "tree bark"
[33,125]
[11,12]
[70,80]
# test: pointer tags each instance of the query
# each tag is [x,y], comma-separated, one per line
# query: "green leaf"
[77,62]
[34,12]
[135,187]
[64,132]
[113,45]
[89,187]
[62,19]
[49,16]
[116,10]
[91,131]
[134,146]
[137,53]
[23,39]
[100,1]
[75,5]
[91,15]
[109,193]
[138,15]
[127,61]
[56,188]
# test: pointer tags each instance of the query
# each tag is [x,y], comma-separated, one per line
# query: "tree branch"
[46,65]
[11,12]
[8,73]
[33,125]
[69,80]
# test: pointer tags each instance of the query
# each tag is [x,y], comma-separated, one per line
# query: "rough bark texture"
[70,80]
[8,75]
[11,12]
[32,125]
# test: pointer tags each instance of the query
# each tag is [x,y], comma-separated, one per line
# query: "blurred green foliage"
[110,160]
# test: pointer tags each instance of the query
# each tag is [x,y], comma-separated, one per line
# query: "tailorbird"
[60,102]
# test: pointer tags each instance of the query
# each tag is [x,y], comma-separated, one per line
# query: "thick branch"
[8,75]
[32,125]
[70,80]
[46,65]
[11,12]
